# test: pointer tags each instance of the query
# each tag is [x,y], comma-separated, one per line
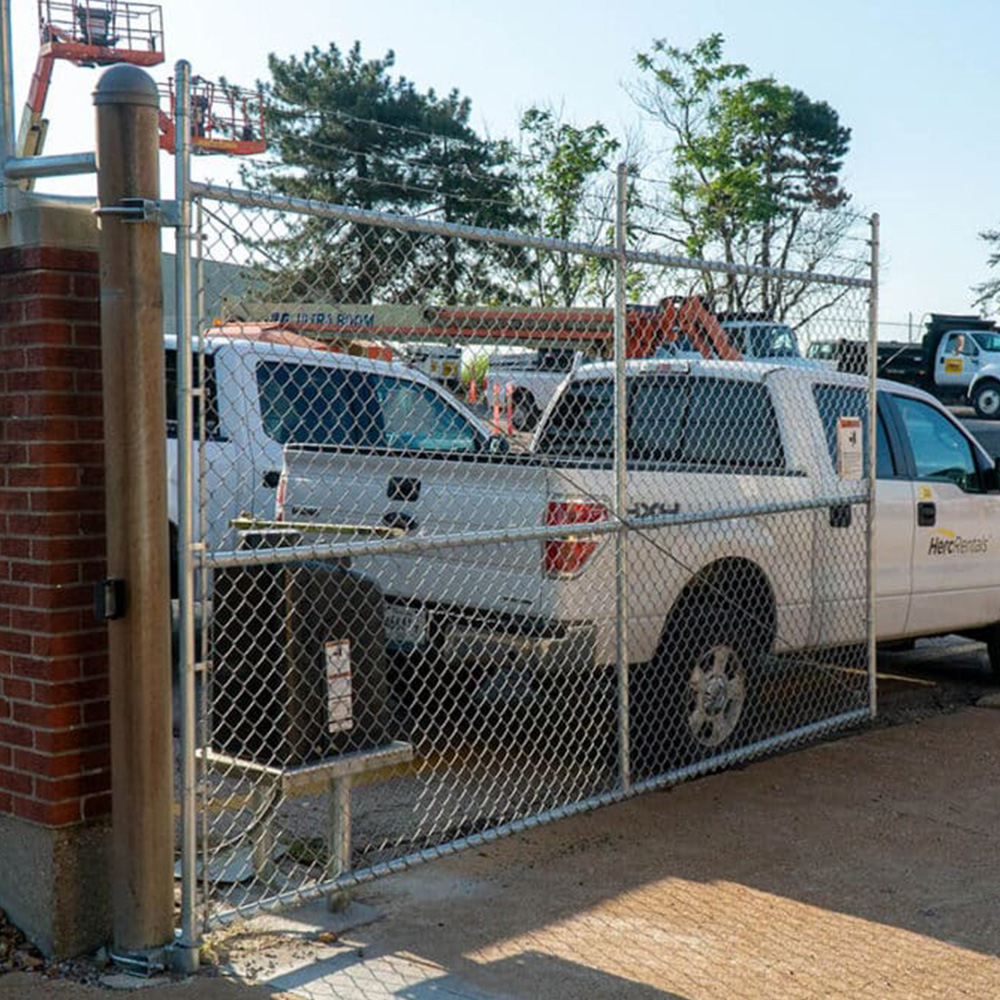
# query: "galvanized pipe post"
[142,887]
[621,482]
[186,955]
[8,143]
[872,566]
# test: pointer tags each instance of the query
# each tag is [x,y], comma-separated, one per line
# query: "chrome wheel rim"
[718,695]
[989,402]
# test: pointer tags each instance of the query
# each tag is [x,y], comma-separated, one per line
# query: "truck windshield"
[764,340]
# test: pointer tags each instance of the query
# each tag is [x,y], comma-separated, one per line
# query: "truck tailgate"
[428,497]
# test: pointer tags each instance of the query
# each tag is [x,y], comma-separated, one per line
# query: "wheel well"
[737,582]
[990,380]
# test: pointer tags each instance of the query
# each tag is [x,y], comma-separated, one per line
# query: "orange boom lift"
[224,119]
[86,33]
[647,327]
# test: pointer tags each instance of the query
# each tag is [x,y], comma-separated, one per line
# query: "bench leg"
[339,827]
[263,840]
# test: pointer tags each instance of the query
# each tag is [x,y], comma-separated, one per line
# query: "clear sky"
[917,83]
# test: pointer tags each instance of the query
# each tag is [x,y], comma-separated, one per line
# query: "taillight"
[568,555]
[279,497]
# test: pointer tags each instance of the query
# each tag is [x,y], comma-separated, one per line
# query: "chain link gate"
[414,626]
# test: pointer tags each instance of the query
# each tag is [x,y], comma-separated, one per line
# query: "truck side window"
[941,451]
[885,462]
[211,396]
[315,404]
[416,418]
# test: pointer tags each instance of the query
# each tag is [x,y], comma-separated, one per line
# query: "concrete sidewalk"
[866,867]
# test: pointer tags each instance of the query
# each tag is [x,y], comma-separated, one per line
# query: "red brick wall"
[54,734]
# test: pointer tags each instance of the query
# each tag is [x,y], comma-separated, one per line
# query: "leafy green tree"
[755,174]
[988,292]
[568,194]
[343,129]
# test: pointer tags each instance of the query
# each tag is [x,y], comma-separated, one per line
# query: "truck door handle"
[840,515]
[397,519]
[271,479]
[926,514]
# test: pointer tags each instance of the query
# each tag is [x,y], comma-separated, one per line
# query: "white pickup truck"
[260,395]
[703,436]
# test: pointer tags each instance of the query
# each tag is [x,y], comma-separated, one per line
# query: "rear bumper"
[491,650]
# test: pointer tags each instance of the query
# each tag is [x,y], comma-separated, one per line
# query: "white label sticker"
[339,688]
[850,449]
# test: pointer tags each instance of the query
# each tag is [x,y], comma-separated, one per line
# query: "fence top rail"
[406,223]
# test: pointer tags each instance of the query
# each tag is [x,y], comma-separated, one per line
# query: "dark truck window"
[720,423]
[834,401]
[211,396]
[315,404]
[732,423]
[312,404]
[656,418]
[583,422]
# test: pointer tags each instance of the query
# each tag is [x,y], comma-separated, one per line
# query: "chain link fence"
[466,562]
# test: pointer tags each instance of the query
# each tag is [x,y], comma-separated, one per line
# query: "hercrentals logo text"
[956,545]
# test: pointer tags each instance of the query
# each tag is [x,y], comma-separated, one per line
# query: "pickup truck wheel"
[693,699]
[525,413]
[713,676]
[986,400]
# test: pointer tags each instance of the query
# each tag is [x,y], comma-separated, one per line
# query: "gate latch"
[162,213]
[109,599]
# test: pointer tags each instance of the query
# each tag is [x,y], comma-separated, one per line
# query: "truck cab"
[755,340]
[971,361]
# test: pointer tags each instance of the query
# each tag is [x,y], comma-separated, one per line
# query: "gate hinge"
[162,213]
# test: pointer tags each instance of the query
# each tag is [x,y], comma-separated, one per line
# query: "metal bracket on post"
[161,213]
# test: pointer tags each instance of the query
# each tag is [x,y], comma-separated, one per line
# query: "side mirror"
[497,445]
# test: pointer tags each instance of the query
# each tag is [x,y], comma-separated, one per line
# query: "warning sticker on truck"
[850,451]
[339,689]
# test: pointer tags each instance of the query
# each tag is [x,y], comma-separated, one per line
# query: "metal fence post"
[8,146]
[138,605]
[872,466]
[621,485]
[186,956]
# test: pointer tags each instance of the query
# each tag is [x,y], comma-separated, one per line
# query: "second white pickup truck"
[703,436]
[534,378]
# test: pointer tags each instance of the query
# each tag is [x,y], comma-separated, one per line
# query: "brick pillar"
[54,729]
